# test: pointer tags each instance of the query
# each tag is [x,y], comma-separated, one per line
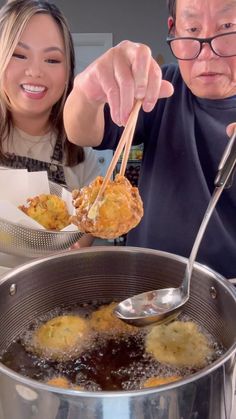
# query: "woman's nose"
[33,70]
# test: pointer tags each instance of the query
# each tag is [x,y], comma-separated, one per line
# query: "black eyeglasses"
[187,48]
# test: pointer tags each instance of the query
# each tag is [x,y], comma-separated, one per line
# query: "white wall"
[140,21]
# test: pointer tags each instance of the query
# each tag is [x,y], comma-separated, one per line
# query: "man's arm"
[84,121]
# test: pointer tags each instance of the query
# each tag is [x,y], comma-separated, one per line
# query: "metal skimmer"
[20,240]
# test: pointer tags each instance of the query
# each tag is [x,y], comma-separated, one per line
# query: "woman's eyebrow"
[21,44]
[48,49]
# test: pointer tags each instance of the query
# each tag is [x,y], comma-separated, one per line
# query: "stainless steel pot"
[116,273]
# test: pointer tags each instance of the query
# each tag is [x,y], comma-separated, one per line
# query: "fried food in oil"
[59,381]
[61,338]
[119,210]
[63,382]
[104,320]
[48,210]
[158,381]
[179,343]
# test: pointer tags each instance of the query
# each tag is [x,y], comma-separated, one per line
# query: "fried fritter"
[104,320]
[180,344]
[59,381]
[158,381]
[119,210]
[63,382]
[61,338]
[48,210]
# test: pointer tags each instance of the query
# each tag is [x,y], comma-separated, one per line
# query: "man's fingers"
[120,76]
[166,89]
[230,129]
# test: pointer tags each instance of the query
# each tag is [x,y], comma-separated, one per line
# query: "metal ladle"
[163,305]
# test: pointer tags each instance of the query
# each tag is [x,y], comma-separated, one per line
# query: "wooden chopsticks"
[128,144]
[124,143]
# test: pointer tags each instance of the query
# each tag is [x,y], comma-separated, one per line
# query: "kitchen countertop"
[7,262]
[11,261]
[3,269]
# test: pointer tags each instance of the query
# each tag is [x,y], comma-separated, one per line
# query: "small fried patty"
[179,343]
[61,337]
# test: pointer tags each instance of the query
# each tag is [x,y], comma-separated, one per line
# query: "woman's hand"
[124,73]
[85,241]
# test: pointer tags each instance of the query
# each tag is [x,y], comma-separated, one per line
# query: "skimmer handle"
[224,179]
[227,164]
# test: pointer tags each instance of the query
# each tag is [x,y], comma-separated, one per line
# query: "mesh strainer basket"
[20,240]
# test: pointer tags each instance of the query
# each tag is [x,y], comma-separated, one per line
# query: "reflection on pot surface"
[89,348]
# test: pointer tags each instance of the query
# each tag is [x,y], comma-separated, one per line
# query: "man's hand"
[124,73]
[230,129]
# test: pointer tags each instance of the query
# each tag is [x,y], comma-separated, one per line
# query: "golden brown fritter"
[48,210]
[61,338]
[119,210]
[180,344]
[63,382]
[158,381]
[59,381]
[104,320]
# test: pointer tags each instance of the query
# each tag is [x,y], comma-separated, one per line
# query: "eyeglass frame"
[201,41]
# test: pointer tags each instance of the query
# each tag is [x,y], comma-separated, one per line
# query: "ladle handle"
[227,164]
[223,179]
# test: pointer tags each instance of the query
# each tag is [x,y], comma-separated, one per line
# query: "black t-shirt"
[184,138]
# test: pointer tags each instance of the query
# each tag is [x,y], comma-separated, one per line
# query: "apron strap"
[54,168]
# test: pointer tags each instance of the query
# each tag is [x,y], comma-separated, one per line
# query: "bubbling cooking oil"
[109,362]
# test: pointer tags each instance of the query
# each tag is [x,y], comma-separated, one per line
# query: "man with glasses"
[186,110]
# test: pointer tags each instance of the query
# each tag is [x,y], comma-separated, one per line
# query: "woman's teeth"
[33,89]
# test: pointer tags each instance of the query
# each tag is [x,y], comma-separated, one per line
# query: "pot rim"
[125,249]
[37,385]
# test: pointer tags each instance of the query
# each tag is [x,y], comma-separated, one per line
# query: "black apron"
[54,168]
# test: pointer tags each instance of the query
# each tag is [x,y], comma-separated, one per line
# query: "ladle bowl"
[151,307]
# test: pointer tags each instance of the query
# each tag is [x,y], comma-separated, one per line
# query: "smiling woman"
[36,75]
[36,72]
